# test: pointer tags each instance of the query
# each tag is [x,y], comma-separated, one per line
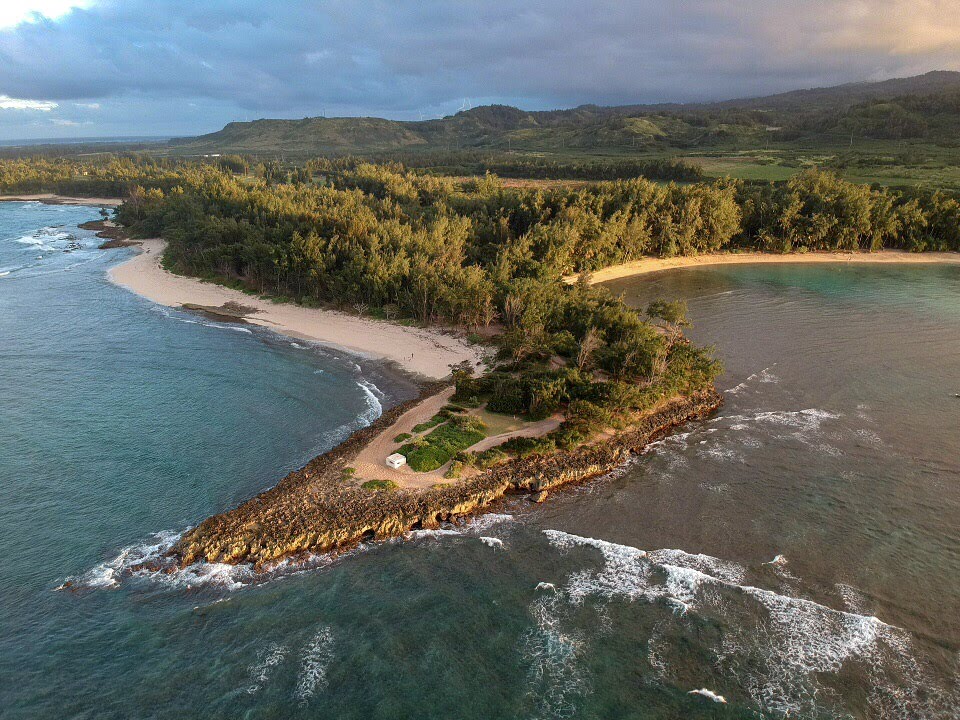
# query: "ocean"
[797,555]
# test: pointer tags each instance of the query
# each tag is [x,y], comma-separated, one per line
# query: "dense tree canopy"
[474,252]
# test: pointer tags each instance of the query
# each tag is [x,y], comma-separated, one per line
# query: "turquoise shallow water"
[802,548]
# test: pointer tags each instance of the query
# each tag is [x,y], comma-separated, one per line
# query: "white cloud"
[14,12]
[9,103]
[88,106]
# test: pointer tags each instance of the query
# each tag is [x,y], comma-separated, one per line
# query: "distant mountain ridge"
[924,106]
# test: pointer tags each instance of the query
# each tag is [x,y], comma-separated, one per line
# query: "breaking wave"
[373,396]
[764,376]
[130,561]
[194,320]
[778,649]
[109,574]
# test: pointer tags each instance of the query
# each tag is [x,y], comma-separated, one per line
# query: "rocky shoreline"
[314,510]
[113,235]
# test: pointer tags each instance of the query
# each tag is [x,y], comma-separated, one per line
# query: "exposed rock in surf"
[314,510]
[114,235]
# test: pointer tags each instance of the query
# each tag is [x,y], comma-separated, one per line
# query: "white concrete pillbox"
[396,460]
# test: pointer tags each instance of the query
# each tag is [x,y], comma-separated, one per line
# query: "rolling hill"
[925,107]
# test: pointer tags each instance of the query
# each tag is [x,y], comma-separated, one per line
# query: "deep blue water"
[802,549]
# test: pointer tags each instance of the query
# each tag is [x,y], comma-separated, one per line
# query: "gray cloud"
[163,66]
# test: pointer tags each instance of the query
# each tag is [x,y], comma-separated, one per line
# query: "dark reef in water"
[315,510]
[113,235]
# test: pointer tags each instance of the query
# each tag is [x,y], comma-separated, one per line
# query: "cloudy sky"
[82,68]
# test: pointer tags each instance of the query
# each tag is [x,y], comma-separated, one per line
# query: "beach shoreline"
[54,199]
[649,265]
[421,352]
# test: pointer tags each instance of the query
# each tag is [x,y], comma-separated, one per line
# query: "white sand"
[424,352]
[652,265]
[62,199]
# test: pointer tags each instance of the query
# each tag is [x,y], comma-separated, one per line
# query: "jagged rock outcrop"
[315,509]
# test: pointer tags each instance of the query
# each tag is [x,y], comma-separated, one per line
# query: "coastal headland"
[317,509]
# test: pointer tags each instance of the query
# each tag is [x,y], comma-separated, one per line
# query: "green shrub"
[401,437]
[590,415]
[443,443]
[455,470]
[379,485]
[565,344]
[525,446]
[488,458]
[432,422]
[569,436]
[424,459]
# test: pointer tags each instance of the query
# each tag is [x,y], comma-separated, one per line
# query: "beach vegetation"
[378,485]
[437,447]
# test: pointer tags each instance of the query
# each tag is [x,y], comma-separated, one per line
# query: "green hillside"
[896,132]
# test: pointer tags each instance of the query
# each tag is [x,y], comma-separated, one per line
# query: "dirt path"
[536,429]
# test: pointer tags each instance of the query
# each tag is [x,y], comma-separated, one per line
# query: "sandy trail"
[423,352]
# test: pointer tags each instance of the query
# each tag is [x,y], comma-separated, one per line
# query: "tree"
[672,315]
[588,346]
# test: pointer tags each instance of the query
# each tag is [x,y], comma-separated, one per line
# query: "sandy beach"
[652,265]
[52,199]
[423,352]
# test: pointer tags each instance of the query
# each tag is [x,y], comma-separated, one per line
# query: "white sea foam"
[313,665]
[853,599]
[203,574]
[780,656]
[487,520]
[180,317]
[431,534]
[546,586]
[109,574]
[709,694]
[763,376]
[724,569]
[554,679]
[493,542]
[373,396]
[272,656]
